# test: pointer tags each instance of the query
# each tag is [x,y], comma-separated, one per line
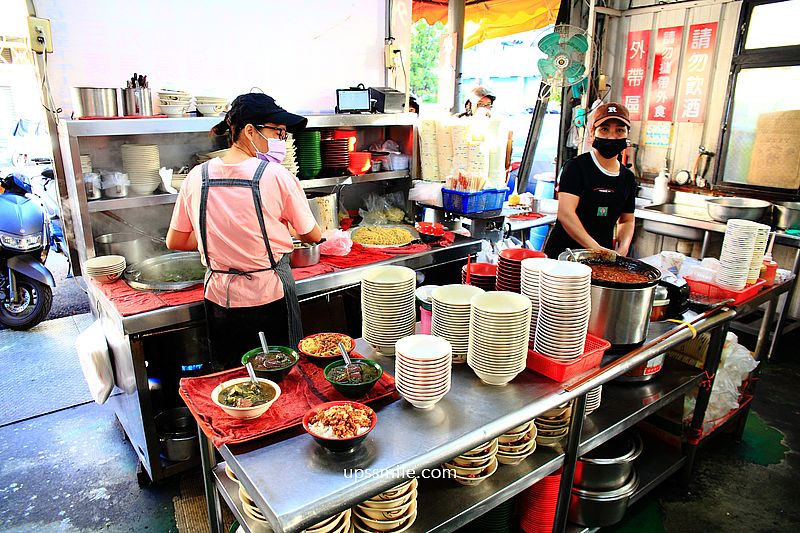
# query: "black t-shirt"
[603,199]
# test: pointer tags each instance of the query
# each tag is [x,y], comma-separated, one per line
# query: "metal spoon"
[346,357]
[252,372]
[264,345]
[571,254]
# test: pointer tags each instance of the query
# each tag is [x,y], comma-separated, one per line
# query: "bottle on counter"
[770,269]
[661,187]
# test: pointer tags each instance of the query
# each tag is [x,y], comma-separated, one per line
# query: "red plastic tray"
[705,288]
[557,370]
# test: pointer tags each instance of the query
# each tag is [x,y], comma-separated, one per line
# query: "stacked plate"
[211,106]
[392,510]
[422,369]
[529,285]
[174,103]
[564,308]
[309,157]
[738,248]
[483,275]
[509,267]
[474,466]
[335,153]
[178,179]
[537,505]
[387,306]
[762,236]
[498,520]
[105,268]
[498,336]
[450,316]
[141,163]
[290,161]
[593,398]
[86,164]
[553,425]
[517,444]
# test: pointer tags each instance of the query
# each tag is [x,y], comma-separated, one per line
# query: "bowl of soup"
[275,364]
[355,383]
[241,398]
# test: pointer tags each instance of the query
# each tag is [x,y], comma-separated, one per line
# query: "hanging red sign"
[665,73]
[635,69]
[696,84]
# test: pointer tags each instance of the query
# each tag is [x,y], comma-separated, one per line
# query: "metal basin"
[678,231]
[787,215]
[724,209]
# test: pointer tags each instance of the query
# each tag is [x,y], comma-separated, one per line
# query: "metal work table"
[295,483]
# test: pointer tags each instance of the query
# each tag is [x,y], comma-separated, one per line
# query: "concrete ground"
[66,466]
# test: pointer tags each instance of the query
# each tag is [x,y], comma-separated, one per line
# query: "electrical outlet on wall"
[39,30]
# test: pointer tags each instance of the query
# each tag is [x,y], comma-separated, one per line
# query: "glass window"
[761,100]
[774,25]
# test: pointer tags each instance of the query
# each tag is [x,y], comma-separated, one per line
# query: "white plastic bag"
[95,362]
[337,242]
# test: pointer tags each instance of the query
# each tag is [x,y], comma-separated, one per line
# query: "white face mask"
[276,150]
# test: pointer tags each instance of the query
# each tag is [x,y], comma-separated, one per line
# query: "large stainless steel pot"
[601,508]
[620,311]
[95,102]
[724,209]
[132,246]
[787,215]
[610,466]
[177,434]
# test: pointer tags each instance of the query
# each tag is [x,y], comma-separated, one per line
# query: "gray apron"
[281,268]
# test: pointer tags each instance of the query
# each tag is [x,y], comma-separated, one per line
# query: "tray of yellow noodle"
[383,236]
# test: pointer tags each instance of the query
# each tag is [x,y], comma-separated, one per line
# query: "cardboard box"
[776,159]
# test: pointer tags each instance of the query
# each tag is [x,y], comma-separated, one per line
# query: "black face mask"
[609,148]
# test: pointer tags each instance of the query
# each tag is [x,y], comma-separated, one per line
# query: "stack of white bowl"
[498,336]
[450,316]
[517,444]
[529,286]
[565,305]
[391,510]
[422,369]
[760,247]
[476,465]
[86,164]
[593,398]
[105,268]
[553,425]
[211,106]
[738,254]
[290,161]
[174,103]
[387,306]
[178,179]
[141,163]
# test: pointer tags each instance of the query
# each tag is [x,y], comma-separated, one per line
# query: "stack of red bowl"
[430,231]
[510,266]
[360,162]
[537,505]
[483,275]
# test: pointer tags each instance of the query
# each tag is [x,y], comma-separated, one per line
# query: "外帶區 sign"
[635,69]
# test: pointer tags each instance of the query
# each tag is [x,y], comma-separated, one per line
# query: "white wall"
[298,52]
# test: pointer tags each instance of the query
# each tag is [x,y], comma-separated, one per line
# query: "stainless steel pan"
[169,272]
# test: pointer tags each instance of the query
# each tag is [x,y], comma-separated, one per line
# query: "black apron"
[281,268]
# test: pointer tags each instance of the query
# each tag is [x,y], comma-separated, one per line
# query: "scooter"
[26,293]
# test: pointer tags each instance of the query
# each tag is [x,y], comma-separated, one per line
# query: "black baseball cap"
[256,109]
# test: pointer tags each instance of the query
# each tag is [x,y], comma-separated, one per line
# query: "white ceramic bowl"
[210,109]
[244,412]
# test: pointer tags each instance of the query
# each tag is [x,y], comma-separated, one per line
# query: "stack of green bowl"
[498,520]
[309,157]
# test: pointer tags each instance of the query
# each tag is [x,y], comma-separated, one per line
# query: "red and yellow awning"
[487,19]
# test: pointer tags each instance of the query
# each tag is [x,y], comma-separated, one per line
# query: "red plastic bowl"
[482,269]
[334,444]
[518,254]
[430,228]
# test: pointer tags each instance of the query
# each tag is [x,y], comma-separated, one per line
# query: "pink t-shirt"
[233,233]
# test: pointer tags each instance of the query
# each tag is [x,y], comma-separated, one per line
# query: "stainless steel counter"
[306,288]
[296,483]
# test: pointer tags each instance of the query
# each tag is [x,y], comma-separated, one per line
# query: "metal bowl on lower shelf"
[610,465]
[601,508]
[724,209]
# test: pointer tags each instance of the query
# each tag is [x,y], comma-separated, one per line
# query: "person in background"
[236,211]
[597,193]
[479,102]
[413,106]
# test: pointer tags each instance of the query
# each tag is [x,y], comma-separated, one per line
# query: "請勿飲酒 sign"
[665,73]
[696,84]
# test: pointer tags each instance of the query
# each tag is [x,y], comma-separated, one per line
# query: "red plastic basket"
[557,370]
[705,288]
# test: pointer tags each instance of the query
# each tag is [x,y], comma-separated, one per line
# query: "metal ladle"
[346,357]
[572,255]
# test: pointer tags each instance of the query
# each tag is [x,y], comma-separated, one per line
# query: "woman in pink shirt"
[236,211]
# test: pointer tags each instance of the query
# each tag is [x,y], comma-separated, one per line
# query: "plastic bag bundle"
[95,362]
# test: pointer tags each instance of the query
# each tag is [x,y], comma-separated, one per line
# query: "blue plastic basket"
[473,202]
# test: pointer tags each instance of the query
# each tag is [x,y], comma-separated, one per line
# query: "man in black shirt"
[596,193]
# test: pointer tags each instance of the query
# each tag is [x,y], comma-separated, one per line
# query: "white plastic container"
[661,187]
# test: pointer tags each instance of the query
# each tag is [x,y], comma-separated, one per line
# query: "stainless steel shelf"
[444,505]
[150,126]
[230,493]
[131,201]
[351,180]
